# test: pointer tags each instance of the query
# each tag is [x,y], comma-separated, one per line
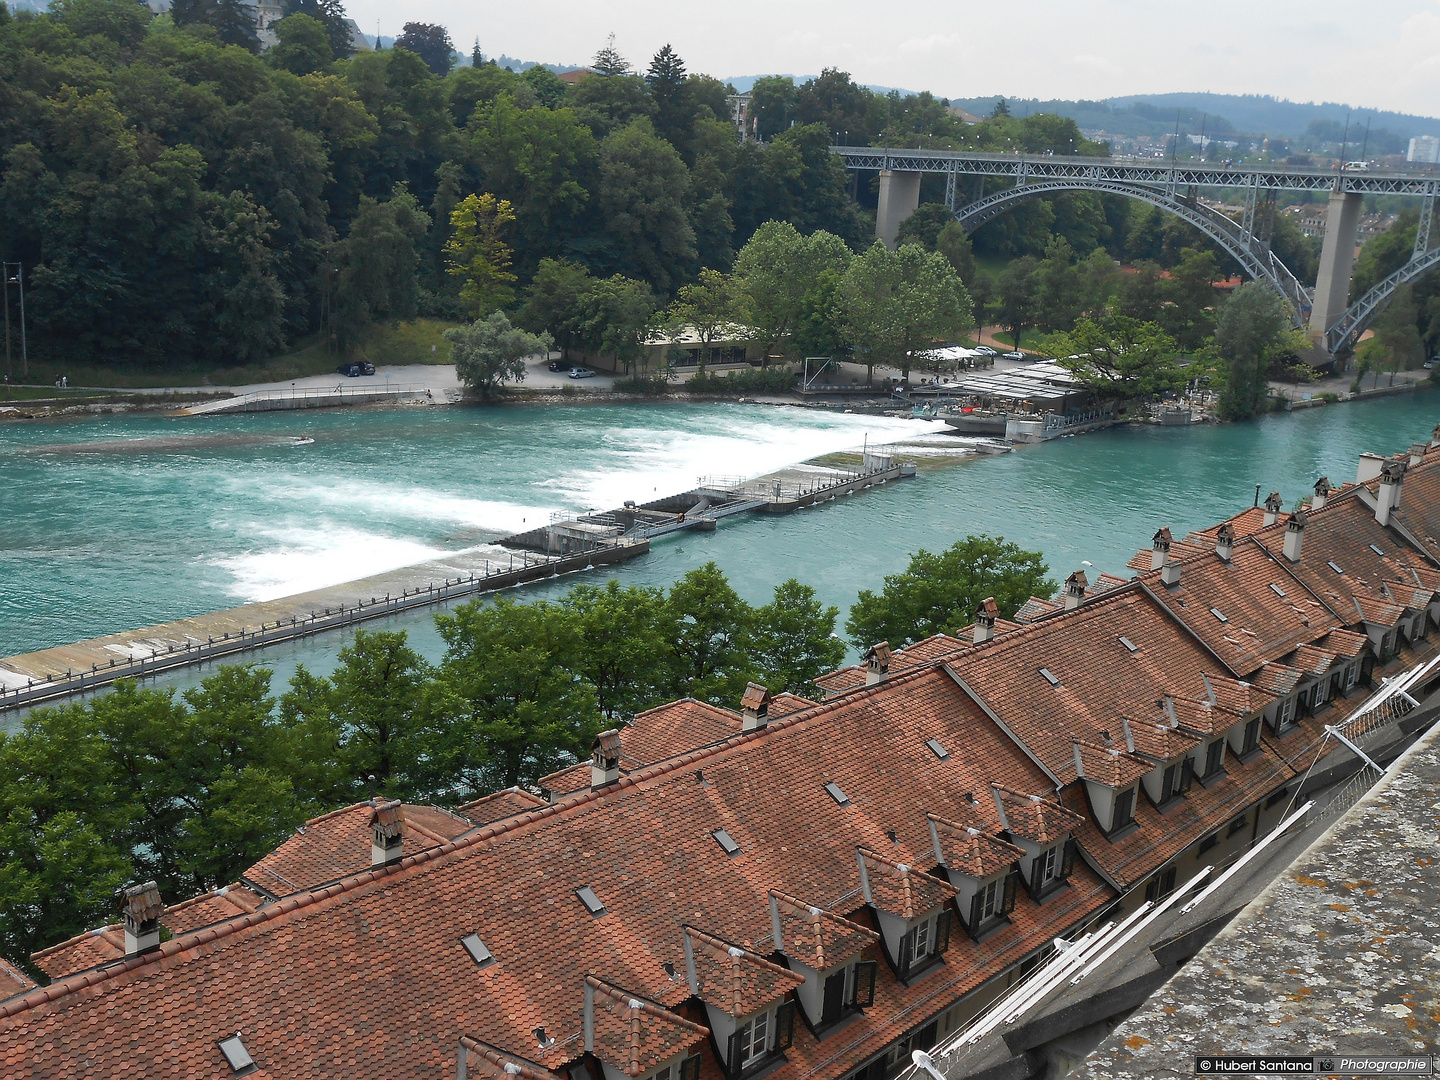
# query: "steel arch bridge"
[1174,188]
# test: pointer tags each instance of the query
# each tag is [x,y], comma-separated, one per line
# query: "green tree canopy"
[304,45]
[378,262]
[1251,334]
[795,640]
[429,42]
[775,270]
[1121,357]
[490,352]
[891,303]
[711,645]
[939,594]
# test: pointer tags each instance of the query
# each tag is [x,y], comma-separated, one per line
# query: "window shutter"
[834,999]
[1068,866]
[1187,773]
[942,931]
[865,983]
[1037,869]
[690,1068]
[1009,903]
[732,1055]
[907,953]
[975,902]
[784,1026]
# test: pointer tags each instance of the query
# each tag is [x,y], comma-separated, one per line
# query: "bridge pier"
[1337,260]
[899,196]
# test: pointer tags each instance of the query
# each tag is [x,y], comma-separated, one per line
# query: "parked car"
[350,370]
[367,369]
[581,373]
[1014,355]
[1433,362]
[555,365]
[985,350]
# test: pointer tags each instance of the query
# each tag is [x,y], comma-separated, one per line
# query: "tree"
[774,271]
[232,20]
[795,640]
[553,303]
[332,14]
[490,352]
[983,295]
[517,710]
[616,319]
[378,262]
[644,189]
[710,307]
[891,303]
[666,80]
[1059,295]
[477,255]
[773,101]
[925,224]
[547,86]
[938,594]
[431,43]
[304,45]
[710,648]
[627,656]
[608,60]
[1251,332]
[1121,357]
[1190,291]
[1015,297]
[953,242]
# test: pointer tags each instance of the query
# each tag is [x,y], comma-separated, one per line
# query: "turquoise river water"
[115,523]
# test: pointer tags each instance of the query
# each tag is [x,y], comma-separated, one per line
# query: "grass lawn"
[417,342]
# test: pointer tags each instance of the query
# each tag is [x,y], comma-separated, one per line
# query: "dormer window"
[1284,714]
[926,942]
[1123,813]
[1214,759]
[992,901]
[1050,868]
[828,951]
[1174,782]
[1249,741]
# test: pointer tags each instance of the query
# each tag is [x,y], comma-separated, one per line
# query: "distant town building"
[267,13]
[963,115]
[1311,217]
[740,115]
[575,76]
[1424,148]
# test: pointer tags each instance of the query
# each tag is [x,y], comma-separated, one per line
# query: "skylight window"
[1049,676]
[836,794]
[1219,614]
[726,842]
[1129,644]
[1276,589]
[590,900]
[1375,548]
[1335,568]
[236,1056]
[477,950]
[938,750]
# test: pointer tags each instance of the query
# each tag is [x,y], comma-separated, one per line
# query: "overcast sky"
[1367,53]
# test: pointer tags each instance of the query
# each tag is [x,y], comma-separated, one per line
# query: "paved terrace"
[1341,954]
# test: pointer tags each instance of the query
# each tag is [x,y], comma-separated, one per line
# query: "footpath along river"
[115,523]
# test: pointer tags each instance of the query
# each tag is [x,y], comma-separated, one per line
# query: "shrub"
[771,380]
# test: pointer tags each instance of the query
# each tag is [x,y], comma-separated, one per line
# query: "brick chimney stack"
[142,911]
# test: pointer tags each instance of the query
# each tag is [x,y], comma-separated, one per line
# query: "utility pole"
[5,276]
[24,345]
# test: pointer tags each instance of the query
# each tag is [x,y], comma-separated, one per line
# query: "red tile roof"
[900,888]
[337,844]
[732,979]
[968,850]
[1034,817]
[13,981]
[484,1060]
[815,937]
[499,806]
[635,1036]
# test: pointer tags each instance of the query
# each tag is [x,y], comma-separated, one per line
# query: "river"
[114,523]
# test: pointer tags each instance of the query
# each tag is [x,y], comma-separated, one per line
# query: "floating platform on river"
[565,546]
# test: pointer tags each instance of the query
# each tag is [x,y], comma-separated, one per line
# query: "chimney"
[1392,476]
[1322,493]
[605,758]
[1225,541]
[1294,535]
[1160,549]
[1075,590]
[1272,508]
[755,707]
[1170,574]
[877,663]
[142,913]
[387,832]
[1370,466]
[985,616]
[1129,735]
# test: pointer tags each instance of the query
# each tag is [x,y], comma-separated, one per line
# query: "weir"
[564,546]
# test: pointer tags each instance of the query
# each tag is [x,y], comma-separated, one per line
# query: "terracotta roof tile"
[1345,643]
[1159,741]
[815,937]
[1034,817]
[484,1060]
[732,979]
[968,850]
[13,981]
[499,806]
[634,1036]
[787,703]
[1109,765]
[900,888]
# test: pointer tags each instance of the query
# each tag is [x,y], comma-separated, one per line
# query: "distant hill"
[1250,114]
